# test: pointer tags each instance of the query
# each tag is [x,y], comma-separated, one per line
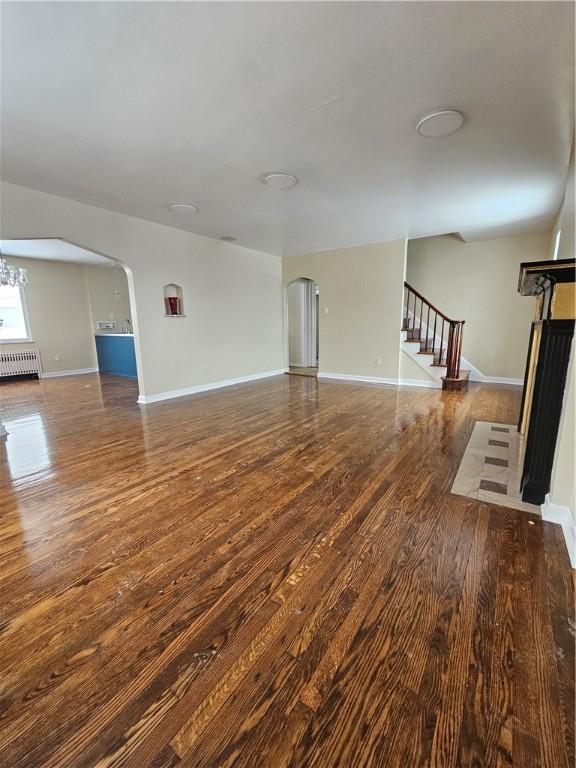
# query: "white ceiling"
[53,249]
[132,106]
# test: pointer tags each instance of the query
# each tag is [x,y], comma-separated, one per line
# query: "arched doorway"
[303,327]
[98,291]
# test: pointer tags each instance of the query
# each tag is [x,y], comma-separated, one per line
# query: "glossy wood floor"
[272,575]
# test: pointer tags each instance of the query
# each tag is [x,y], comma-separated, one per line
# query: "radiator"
[20,363]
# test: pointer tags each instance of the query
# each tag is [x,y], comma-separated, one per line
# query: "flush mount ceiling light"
[441,123]
[227,238]
[183,209]
[279,180]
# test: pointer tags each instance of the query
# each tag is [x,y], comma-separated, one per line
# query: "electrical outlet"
[325,310]
[57,358]
[378,361]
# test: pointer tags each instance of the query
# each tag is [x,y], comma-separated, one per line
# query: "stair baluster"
[450,348]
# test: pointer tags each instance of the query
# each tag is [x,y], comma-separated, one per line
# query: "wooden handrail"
[429,303]
[443,339]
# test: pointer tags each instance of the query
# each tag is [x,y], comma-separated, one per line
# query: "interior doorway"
[303,327]
[96,334]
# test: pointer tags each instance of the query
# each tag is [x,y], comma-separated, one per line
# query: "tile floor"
[491,466]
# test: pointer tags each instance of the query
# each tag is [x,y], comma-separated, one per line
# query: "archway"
[98,290]
[303,327]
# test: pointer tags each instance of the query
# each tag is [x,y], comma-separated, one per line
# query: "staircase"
[433,341]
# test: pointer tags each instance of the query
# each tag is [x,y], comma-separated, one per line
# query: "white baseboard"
[501,380]
[353,377]
[146,399]
[76,372]
[554,513]
[381,380]
[420,383]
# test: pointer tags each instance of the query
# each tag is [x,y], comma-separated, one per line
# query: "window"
[13,315]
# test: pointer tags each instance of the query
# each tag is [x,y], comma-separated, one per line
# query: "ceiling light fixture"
[183,209]
[227,238]
[279,180]
[440,123]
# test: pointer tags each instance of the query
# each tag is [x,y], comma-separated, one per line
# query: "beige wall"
[477,282]
[362,289]
[565,220]
[108,294]
[232,295]
[59,315]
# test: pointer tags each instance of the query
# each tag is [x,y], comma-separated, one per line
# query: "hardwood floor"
[272,575]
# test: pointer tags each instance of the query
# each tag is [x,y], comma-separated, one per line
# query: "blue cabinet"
[116,354]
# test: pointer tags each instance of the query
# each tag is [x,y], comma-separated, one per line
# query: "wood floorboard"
[272,575]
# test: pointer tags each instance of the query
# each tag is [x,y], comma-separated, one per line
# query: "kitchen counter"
[116,354]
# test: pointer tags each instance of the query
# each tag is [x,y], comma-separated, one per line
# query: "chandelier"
[12,276]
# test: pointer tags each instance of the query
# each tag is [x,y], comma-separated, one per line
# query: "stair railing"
[443,339]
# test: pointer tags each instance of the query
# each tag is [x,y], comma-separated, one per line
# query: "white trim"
[76,372]
[379,380]
[353,377]
[554,513]
[147,399]
[502,380]
[419,383]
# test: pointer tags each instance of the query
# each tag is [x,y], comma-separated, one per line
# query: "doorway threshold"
[298,371]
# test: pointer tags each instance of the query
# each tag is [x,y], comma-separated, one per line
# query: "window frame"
[26,315]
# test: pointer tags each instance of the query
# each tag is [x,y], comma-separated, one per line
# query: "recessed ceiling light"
[227,238]
[279,180]
[184,209]
[441,123]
